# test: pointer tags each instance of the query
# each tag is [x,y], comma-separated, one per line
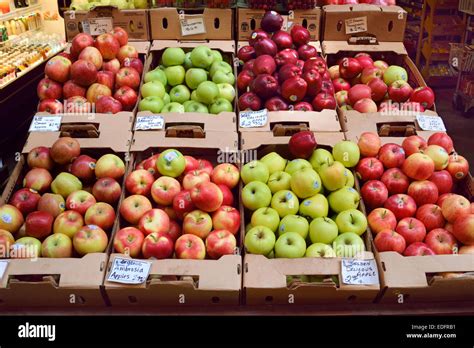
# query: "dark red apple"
[282,39]
[314,82]
[83,168]
[257,35]
[306,52]
[244,79]
[107,105]
[302,144]
[443,181]
[286,56]
[374,193]
[264,64]
[276,104]
[303,106]
[265,46]
[294,89]
[246,53]
[25,200]
[271,21]
[248,65]
[265,86]
[300,35]
[378,88]
[287,71]
[324,101]
[349,68]
[249,100]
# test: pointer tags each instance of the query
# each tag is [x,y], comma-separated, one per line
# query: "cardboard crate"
[266,280]
[135,22]
[65,282]
[249,19]
[167,24]
[176,282]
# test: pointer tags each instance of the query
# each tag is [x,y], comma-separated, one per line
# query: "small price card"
[129,271]
[192,26]
[45,124]
[98,26]
[253,119]
[359,272]
[356,25]
[149,122]
[431,123]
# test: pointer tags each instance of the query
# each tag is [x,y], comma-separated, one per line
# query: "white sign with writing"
[3,268]
[193,26]
[431,123]
[359,272]
[149,122]
[98,26]
[129,271]
[253,119]
[356,25]
[45,124]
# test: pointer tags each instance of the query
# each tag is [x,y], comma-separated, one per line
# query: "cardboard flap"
[252,140]
[142,47]
[334,47]
[223,45]
[225,121]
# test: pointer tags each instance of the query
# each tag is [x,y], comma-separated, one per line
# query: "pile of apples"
[304,207]
[354,2]
[365,85]
[101,75]
[67,216]
[196,81]
[281,71]
[410,189]
[179,205]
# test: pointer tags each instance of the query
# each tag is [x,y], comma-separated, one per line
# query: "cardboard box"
[249,19]
[191,24]
[135,22]
[176,282]
[266,280]
[65,282]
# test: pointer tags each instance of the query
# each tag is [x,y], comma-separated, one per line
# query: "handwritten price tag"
[253,119]
[192,26]
[430,123]
[98,26]
[359,272]
[149,122]
[356,25]
[45,124]
[128,271]
[3,268]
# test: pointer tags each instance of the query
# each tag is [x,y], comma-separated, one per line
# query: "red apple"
[108,46]
[228,197]
[364,58]
[300,35]
[72,89]
[303,106]
[374,193]
[412,230]
[79,42]
[220,242]
[129,241]
[443,140]
[359,92]
[302,144]
[39,224]
[189,246]
[83,168]
[389,240]
[83,72]
[276,104]
[264,85]
[244,79]
[25,200]
[154,221]
[227,218]
[306,52]
[127,77]
[463,229]
[207,196]
[38,179]
[49,89]
[191,164]
[58,68]
[313,81]
[264,64]
[369,73]
[265,46]
[349,68]
[51,203]
[431,216]
[323,101]
[271,21]
[454,207]
[226,174]
[282,39]
[365,105]
[205,165]
[380,219]
[287,71]
[423,192]
[139,182]
[77,105]
[458,166]
[316,63]
[418,166]
[158,246]
[126,53]
[392,155]
[112,65]
[441,241]
[369,144]
[51,106]
[246,53]
[120,35]
[107,190]
[395,181]
[134,63]
[414,144]
[286,56]
[195,178]
[39,157]
[418,249]
[341,85]
[369,168]
[425,96]
[174,231]
[106,78]
[164,189]
[294,89]
[183,204]
[378,88]
[443,197]
[92,55]
[107,105]
[100,214]
[399,91]
[401,205]
[443,181]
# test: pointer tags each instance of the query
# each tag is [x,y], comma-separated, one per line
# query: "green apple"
[223,77]
[294,223]
[256,195]
[171,162]
[271,255]
[175,75]
[267,217]
[187,103]
[394,73]
[259,240]
[207,92]
[221,105]
[274,162]
[173,56]
[254,171]
[323,230]
[290,246]
[248,227]
[202,57]
[220,66]
[346,152]
[305,182]
[348,245]
[226,91]
[349,178]
[279,181]
[166,98]
[344,199]
[193,96]
[285,203]
[25,247]
[65,183]
[187,61]
[153,104]
[180,94]
[332,175]
[153,89]
[297,164]
[320,250]
[217,56]
[173,107]
[140,4]
[194,106]
[314,207]
[351,220]
[195,76]
[156,75]
[320,157]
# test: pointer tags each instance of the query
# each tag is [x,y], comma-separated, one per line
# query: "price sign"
[253,119]
[3,268]
[359,272]
[98,26]
[128,271]
[45,124]
[356,25]
[192,26]
[431,123]
[149,122]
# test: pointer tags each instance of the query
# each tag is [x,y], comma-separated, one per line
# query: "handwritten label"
[45,124]
[149,122]
[359,272]
[356,25]
[3,268]
[193,26]
[128,271]
[253,119]
[430,123]
[98,26]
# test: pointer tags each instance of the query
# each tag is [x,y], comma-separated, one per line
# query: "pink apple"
[100,214]
[107,190]
[226,174]
[68,223]
[220,242]
[423,192]
[431,216]
[395,181]
[369,144]
[198,223]
[207,196]
[401,205]
[164,189]
[441,241]
[134,207]
[80,201]
[412,230]
[369,168]
[154,221]
[414,144]
[454,207]
[39,157]
[442,139]
[195,178]
[418,166]
[228,196]
[90,239]
[139,182]
[38,179]
[388,240]
[463,229]
[129,241]
[392,155]
[158,246]
[227,218]
[418,249]
[381,219]
[189,246]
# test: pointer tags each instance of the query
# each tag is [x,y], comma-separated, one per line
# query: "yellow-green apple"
[198,223]
[395,181]
[107,190]
[92,55]
[51,203]
[38,179]
[439,156]
[351,220]
[441,241]
[319,250]
[57,245]
[228,196]
[254,171]
[458,166]
[174,231]
[414,144]
[334,72]
[290,245]
[39,224]
[374,193]
[220,242]
[68,223]
[401,205]
[443,181]
[164,189]
[369,144]
[183,204]
[418,249]
[388,240]
[314,207]
[431,216]
[294,223]
[39,158]
[83,168]
[25,248]
[11,218]
[279,181]
[466,249]
[346,152]
[267,217]
[225,174]
[80,201]
[158,246]
[443,197]
[207,196]
[411,229]
[109,166]
[6,241]
[154,221]
[319,158]
[342,98]
[90,239]
[285,203]
[454,207]
[343,199]
[195,178]
[394,73]
[189,246]
[392,155]
[423,192]
[259,240]
[381,65]
[226,218]
[139,182]
[381,219]
[129,241]
[64,150]
[65,183]
[463,229]
[25,200]
[369,168]
[442,139]
[296,164]
[418,166]
[350,181]
[305,183]
[256,195]
[171,162]
[108,45]
[100,214]
[274,162]
[133,208]
[301,144]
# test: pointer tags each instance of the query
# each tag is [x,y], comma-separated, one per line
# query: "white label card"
[356,25]
[149,122]
[45,124]
[430,123]
[3,268]
[129,271]
[193,26]
[359,272]
[98,26]
[253,119]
